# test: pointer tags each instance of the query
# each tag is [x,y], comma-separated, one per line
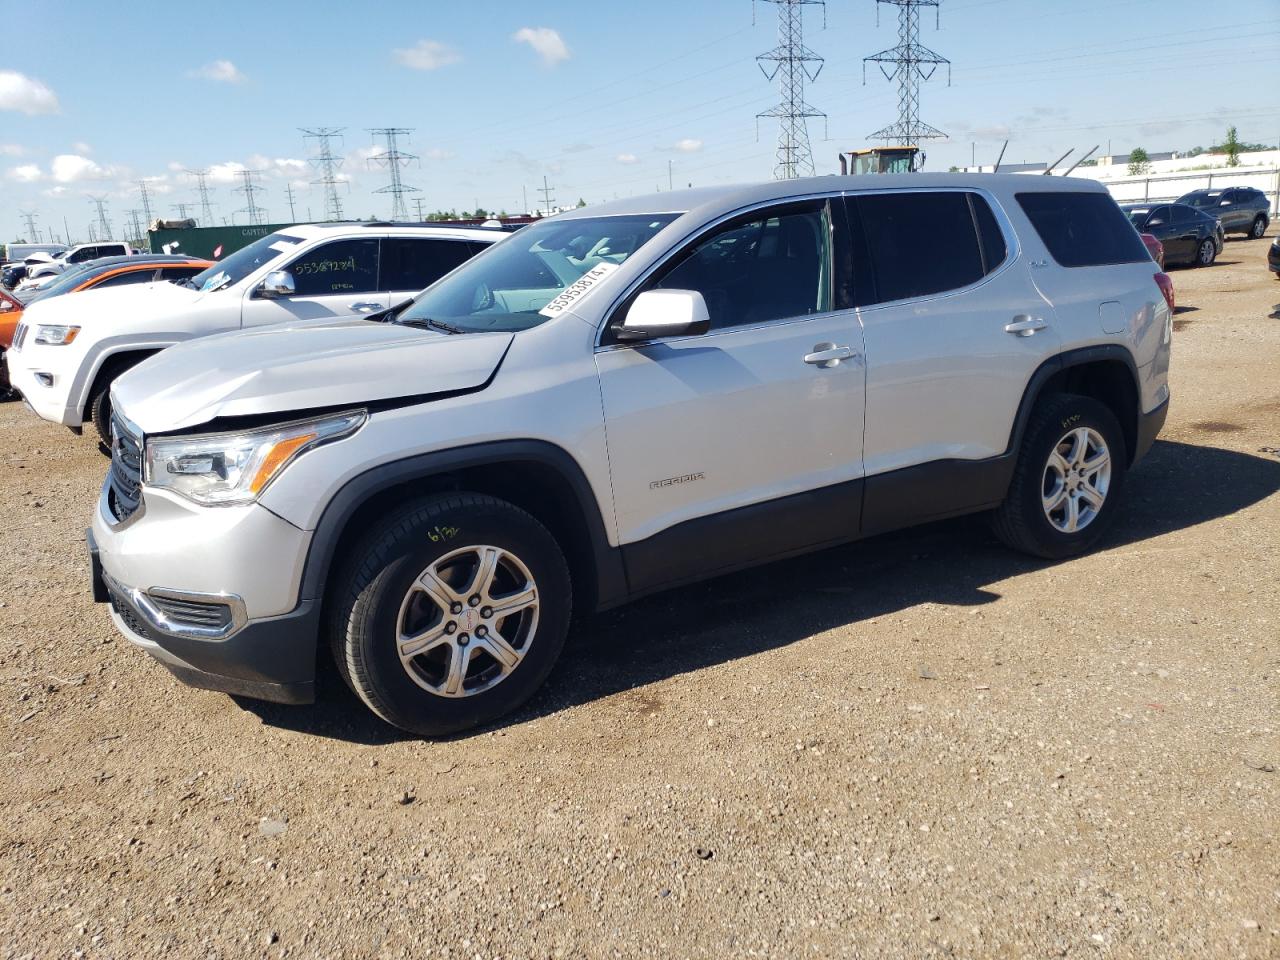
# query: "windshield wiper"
[431,324]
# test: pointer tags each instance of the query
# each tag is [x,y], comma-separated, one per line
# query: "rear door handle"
[829,354]
[1024,326]
[366,306]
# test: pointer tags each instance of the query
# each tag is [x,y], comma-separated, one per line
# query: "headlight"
[55,336]
[230,468]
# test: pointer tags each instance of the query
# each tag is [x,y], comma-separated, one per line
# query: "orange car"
[105,272]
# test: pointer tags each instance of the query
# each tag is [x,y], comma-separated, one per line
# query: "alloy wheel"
[467,621]
[1076,479]
[1206,252]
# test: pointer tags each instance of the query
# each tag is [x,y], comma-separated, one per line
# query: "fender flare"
[102,352]
[610,575]
[1064,361]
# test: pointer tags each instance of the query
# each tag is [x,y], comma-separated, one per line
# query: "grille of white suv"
[125,490]
[19,335]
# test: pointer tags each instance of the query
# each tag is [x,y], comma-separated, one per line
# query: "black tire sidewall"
[373,625]
[1259,222]
[100,413]
[1064,413]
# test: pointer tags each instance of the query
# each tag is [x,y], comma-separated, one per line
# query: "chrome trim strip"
[142,602]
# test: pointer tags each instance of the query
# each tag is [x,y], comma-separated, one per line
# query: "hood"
[88,308]
[284,368]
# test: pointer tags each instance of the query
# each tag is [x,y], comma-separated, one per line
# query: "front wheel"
[1067,479]
[1207,253]
[1259,228]
[451,613]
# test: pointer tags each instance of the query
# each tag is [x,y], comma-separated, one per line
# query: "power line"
[202,188]
[251,190]
[793,65]
[104,225]
[146,200]
[912,62]
[393,159]
[328,165]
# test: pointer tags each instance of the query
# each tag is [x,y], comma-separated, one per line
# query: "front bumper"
[212,593]
[1149,427]
[48,401]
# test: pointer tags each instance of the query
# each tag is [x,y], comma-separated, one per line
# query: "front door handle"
[366,306]
[1024,326]
[829,354]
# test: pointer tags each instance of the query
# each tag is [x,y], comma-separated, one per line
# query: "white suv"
[68,351]
[618,400]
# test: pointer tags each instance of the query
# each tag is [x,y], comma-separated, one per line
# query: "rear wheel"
[1207,253]
[1070,470]
[1259,228]
[451,613]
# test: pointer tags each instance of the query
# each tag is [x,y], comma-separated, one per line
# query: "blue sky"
[598,98]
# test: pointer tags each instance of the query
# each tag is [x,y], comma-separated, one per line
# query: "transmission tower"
[251,190]
[146,200]
[104,225]
[183,210]
[139,234]
[327,164]
[393,159]
[792,64]
[32,232]
[417,208]
[288,192]
[548,196]
[909,63]
[202,188]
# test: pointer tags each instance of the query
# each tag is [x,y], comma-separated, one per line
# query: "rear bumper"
[1149,427]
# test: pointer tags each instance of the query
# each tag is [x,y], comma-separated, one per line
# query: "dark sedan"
[1273,258]
[1238,209]
[1187,234]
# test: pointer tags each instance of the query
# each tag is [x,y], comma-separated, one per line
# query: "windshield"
[507,287]
[1201,199]
[68,280]
[236,266]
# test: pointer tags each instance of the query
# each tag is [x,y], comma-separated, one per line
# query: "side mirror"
[664,313]
[1155,222]
[278,283]
[1224,203]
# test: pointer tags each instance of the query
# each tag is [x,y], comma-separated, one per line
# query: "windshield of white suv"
[511,287]
[236,266]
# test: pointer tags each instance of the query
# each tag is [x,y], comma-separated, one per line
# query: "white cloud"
[71,167]
[627,158]
[228,172]
[81,147]
[426,55]
[688,145]
[546,43]
[55,191]
[27,173]
[19,92]
[219,71]
[12,150]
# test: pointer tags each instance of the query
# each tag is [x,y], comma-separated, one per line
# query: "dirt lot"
[921,745]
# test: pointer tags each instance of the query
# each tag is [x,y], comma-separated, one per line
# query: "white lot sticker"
[281,246]
[577,289]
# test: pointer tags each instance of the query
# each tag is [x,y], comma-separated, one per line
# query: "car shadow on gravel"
[952,563]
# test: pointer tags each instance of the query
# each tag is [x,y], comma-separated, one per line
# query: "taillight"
[1166,287]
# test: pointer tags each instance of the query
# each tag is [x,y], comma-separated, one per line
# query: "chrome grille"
[125,491]
[19,335]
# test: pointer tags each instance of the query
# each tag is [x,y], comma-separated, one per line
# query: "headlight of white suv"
[230,468]
[53,335]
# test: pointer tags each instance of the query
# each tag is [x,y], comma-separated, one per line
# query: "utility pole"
[670,174]
[393,159]
[66,228]
[908,63]
[202,188]
[328,165]
[146,200]
[104,226]
[257,215]
[547,198]
[524,192]
[417,203]
[288,192]
[30,217]
[793,64]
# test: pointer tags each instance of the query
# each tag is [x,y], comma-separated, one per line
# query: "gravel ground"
[920,745]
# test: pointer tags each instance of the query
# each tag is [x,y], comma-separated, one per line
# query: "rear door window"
[924,243]
[414,263]
[127,279]
[1083,229]
[340,267]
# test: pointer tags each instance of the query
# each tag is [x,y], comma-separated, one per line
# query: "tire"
[1206,253]
[1024,521]
[404,578]
[1259,229]
[99,411]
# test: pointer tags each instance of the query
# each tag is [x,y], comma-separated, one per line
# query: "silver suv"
[619,400]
